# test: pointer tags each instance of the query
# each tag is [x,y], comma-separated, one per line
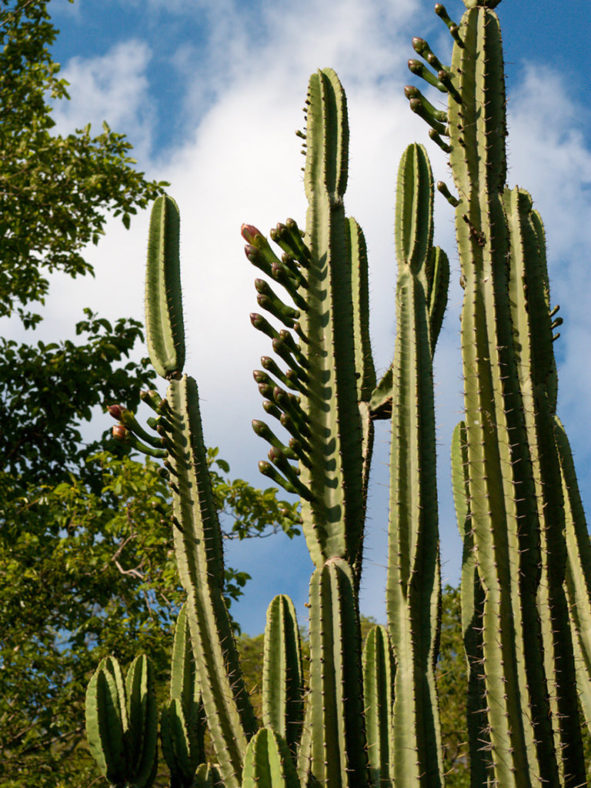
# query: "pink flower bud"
[116,411]
[251,252]
[120,433]
[250,233]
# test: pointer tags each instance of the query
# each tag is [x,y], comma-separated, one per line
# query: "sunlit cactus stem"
[182,723]
[510,485]
[283,679]
[413,583]
[196,530]
[122,723]
[378,695]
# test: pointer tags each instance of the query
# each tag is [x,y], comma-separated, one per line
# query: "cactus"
[507,477]
[268,762]
[413,585]
[164,314]
[378,695]
[283,680]
[182,727]
[122,723]
[323,393]
[527,564]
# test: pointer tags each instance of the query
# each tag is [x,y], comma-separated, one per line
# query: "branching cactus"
[506,472]
[321,388]
[527,563]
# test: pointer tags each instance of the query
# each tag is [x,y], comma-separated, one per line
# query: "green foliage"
[55,190]
[48,391]
[452,690]
[93,567]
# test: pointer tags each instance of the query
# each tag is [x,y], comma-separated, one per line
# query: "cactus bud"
[116,411]
[120,433]
[251,252]
[251,234]
[419,45]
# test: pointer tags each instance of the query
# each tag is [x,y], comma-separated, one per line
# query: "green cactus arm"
[182,726]
[364,365]
[328,355]
[501,489]
[333,516]
[378,695]
[413,585]
[333,750]
[472,598]
[196,529]
[380,404]
[179,747]
[366,374]
[532,326]
[438,285]
[198,547]
[142,715]
[164,313]
[184,683]
[268,763]
[578,569]
[106,720]
[283,689]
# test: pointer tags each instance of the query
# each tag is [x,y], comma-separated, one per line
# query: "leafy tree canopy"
[55,190]
[87,573]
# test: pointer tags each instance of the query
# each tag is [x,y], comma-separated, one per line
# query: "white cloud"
[112,87]
[549,157]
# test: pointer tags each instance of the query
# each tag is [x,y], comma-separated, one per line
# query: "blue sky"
[210,93]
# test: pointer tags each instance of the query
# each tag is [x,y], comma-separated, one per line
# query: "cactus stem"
[444,190]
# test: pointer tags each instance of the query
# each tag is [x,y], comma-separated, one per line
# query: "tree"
[87,574]
[84,536]
[55,190]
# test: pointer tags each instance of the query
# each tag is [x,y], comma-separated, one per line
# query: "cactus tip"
[116,411]
[250,233]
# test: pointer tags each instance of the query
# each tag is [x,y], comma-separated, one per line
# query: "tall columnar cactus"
[413,585]
[196,529]
[510,476]
[324,272]
[514,485]
[321,388]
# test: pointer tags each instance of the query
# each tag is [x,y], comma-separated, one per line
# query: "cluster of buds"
[131,432]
